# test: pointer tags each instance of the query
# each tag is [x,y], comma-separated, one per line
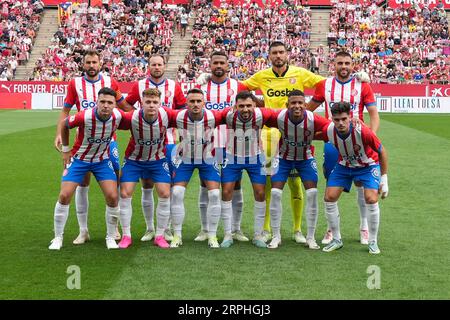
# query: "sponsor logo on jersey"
[86,104]
[298,144]
[143,142]
[99,140]
[217,106]
[353,106]
[278,93]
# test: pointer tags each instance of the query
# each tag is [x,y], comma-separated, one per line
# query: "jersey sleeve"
[253,82]
[270,117]
[241,87]
[367,95]
[370,138]
[115,87]
[179,100]
[133,96]
[76,120]
[125,123]
[309,79]
[171,117]
[319,93]
[71,97]
[320,123]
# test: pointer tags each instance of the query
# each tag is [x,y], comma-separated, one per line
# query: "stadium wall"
[419,98]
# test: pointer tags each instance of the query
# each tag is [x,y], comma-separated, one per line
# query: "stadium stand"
[245,32]
[400,45]
[125,34]
[19,22]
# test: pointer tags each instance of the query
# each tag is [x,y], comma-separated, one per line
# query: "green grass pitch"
[414,236]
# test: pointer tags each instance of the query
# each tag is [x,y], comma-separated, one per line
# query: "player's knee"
[276,194]
[329,197]
[227,195]
[260,195]
[112,199]
[125,193]
[64,197]
[214,196]
[164,193]
[178,194]
[372,199]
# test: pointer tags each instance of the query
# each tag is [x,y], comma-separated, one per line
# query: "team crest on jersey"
[307,133]
[375,172]
[354,92]
[168,94]
[357,148]
[292,80]
[230,92]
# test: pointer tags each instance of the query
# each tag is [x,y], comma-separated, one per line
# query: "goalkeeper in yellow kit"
[275,84]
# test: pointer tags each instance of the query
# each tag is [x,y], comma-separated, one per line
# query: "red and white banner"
[407,3]
[390,98]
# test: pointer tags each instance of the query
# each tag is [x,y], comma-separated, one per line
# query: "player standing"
[360,157]
[195,126]
[82,92]
[345,87]
[276,83]
[297,127]
[96,128]
[171,97]
[220,92]
[145,155]
[243,152]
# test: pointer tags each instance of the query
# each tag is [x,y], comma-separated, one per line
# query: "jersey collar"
[143,118]
[157,84]
[100,119]
[342,83]
[296,123]
[189,116]
[343,137]
[282,75]
[219,83]
[93,81]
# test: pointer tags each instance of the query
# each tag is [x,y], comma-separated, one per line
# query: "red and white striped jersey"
[358,94]
[244,138]
[147,139]
[94,135]
[171,94]
[171,97]
[296,139]
[84,93]
[196,137]
[219,96]
[358,149]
